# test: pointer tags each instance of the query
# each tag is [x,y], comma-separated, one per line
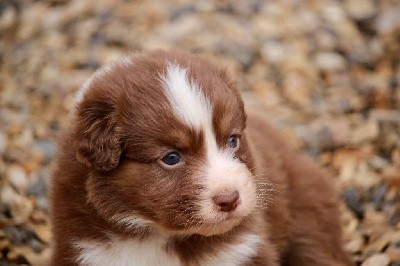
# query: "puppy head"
[163,136]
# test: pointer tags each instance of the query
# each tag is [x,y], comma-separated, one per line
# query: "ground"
[326,72]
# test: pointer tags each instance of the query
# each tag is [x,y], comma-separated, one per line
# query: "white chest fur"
[126,253]
[153,253]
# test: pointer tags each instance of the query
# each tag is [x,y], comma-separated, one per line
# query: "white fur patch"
[126,253]
[152,252]
[222,175]
[186,99]
[238,253]
[134,222]
[189,103]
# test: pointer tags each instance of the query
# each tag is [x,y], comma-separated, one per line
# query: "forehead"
[186,99]
[178,98]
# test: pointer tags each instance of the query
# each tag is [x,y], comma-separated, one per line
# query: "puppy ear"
[97,135]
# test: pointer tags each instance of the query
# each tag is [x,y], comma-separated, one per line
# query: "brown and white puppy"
[161,167]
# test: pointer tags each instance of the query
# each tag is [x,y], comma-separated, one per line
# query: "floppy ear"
[97,135]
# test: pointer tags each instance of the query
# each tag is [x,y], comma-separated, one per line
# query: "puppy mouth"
[220,222]
[219,227]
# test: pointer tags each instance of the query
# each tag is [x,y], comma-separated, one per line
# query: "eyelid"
[237,134]
[236,131]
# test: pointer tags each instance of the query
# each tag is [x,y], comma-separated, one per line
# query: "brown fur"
[108,164]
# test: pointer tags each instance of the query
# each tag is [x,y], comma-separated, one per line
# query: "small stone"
[365,132]
[396,156]
[274,52]
[19,206]
[42,258]
[354,245]
[328,61]
[18,254]
[395,217]
[25,138]
[360,9]
[393,253]
[373,217]
[42,202]
[395,238]
[8,16]
[17,177]
[240,52]
[333,13]
[19,235]
[43,232]
[297,88]
[325,39]
[45,147]
[325,133]
[388,21]
[364,176]
[385,115]
[351,223]
[379,244]
[4,243]
[352,200]
[379,197]
[36,245]
[37,188]
[378,163]
[39,216]
[377,260]
[268,94]
[7,194]
[3,143]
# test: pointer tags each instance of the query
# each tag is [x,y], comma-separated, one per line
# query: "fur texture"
[116,202]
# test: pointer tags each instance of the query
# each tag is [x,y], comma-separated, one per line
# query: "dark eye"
[232,141]
[171,158]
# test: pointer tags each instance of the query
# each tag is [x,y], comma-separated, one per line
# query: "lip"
[226,221]
[221,227]
[236,215]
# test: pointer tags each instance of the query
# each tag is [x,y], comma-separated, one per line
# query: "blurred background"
[326,72]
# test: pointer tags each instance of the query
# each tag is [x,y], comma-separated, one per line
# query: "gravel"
[326,72]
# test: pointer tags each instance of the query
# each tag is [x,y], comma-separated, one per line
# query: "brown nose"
[227,203]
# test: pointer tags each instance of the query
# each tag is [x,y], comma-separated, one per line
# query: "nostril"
[228,202]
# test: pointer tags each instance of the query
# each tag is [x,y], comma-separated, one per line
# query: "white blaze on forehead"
[186,99]
[189,103]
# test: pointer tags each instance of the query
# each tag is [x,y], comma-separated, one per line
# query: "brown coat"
[109,170]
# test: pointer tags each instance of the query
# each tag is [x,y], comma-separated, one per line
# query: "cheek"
[170,196]
[146,184]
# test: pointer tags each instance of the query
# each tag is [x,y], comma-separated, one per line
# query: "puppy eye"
[171,158]
[232,141]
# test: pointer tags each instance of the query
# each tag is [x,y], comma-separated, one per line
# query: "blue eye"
[232,141]
[171,158]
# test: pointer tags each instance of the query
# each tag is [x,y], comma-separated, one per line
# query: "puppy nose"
[227,203]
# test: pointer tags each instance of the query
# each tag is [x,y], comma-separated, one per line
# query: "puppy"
[162,166]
